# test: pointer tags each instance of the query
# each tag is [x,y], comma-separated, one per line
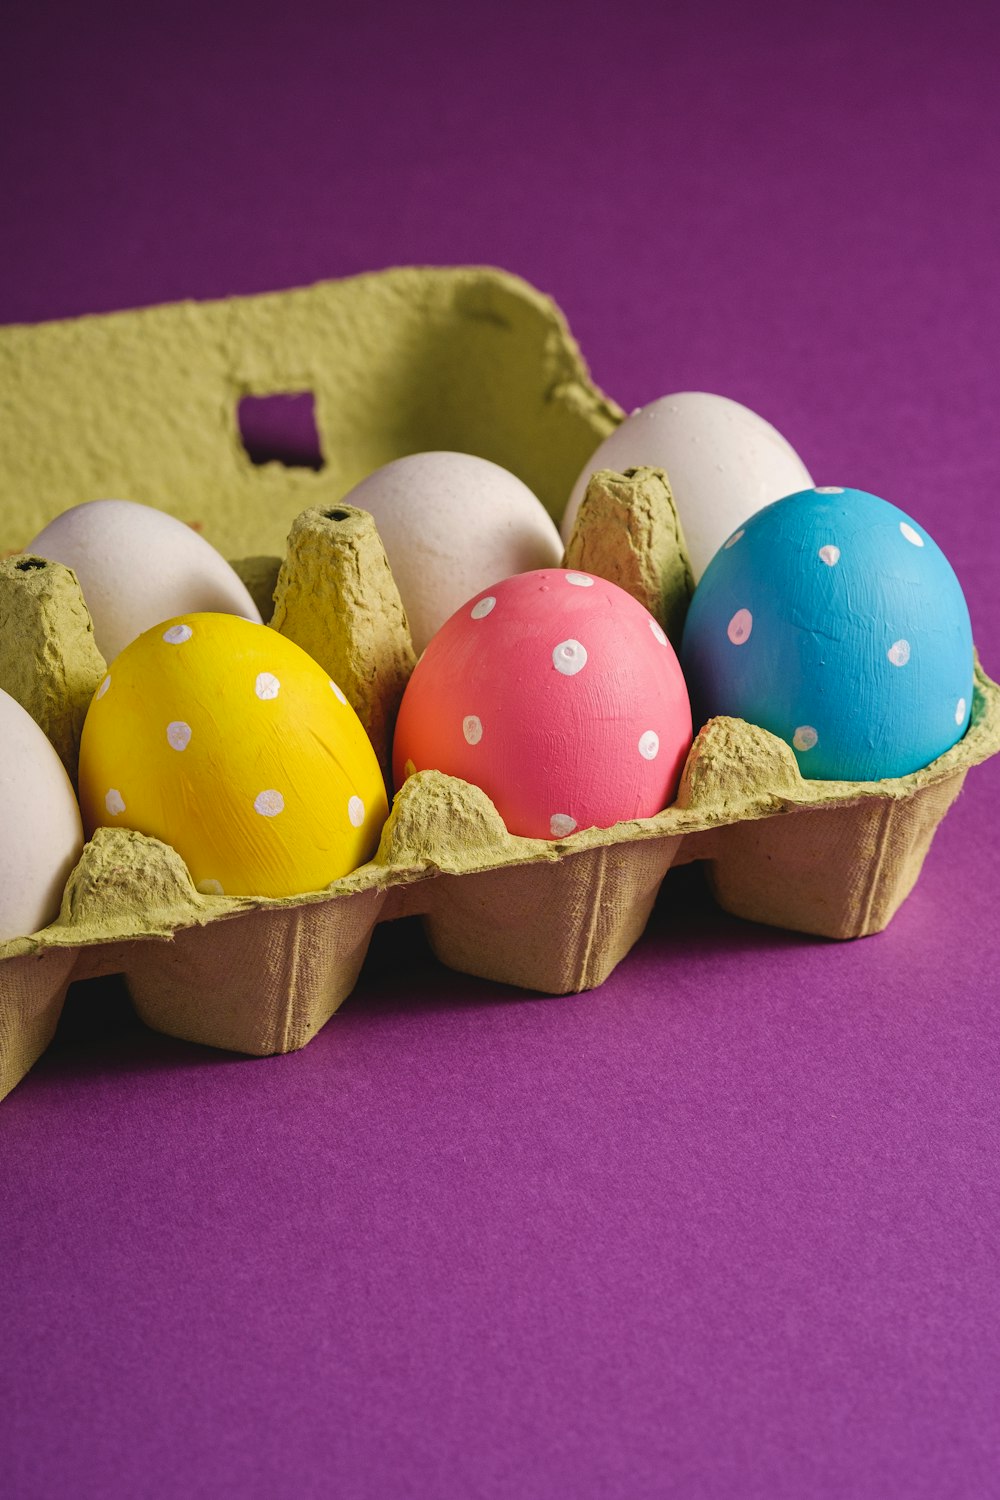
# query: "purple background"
[728,1226]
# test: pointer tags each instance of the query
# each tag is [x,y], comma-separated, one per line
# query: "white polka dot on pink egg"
[566,705]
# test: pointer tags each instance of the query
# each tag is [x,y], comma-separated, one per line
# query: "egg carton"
[143,405]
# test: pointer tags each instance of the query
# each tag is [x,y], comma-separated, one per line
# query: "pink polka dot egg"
[559,696]
[230,743]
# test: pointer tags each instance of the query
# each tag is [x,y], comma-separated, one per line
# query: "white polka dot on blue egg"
[832,619]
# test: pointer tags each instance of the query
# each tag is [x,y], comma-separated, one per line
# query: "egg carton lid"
[145,405]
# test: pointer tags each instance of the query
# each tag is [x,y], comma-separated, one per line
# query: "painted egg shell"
[556,693]
[41,836]
[450,524]
[136,565]
[833,620]
[723,462]
[227,741]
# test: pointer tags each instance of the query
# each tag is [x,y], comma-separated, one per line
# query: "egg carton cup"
[142,405]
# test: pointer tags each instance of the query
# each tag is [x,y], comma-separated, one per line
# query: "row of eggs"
[829,617]
[451,523]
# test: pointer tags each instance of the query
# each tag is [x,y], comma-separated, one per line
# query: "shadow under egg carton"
[262,976]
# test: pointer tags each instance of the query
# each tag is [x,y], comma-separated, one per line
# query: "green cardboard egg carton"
[143,405]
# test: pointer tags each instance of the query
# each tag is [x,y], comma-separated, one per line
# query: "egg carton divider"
[257,976]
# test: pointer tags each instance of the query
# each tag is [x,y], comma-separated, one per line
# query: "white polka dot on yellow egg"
[178,734]
[234,750]
[269,803]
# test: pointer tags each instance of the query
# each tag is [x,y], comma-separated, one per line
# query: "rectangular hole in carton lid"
[281,428]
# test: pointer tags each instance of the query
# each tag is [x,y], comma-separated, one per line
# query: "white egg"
[451,525]
[137,566]
[41,836]
[723,462]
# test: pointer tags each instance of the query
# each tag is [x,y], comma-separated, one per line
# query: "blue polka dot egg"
[833,620]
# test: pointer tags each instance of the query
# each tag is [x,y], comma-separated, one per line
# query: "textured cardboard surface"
[143,405]
[50,662]
[335,596]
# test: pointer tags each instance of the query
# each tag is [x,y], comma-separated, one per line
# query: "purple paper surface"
[727,1226]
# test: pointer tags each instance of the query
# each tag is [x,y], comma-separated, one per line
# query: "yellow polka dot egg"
[230,743]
